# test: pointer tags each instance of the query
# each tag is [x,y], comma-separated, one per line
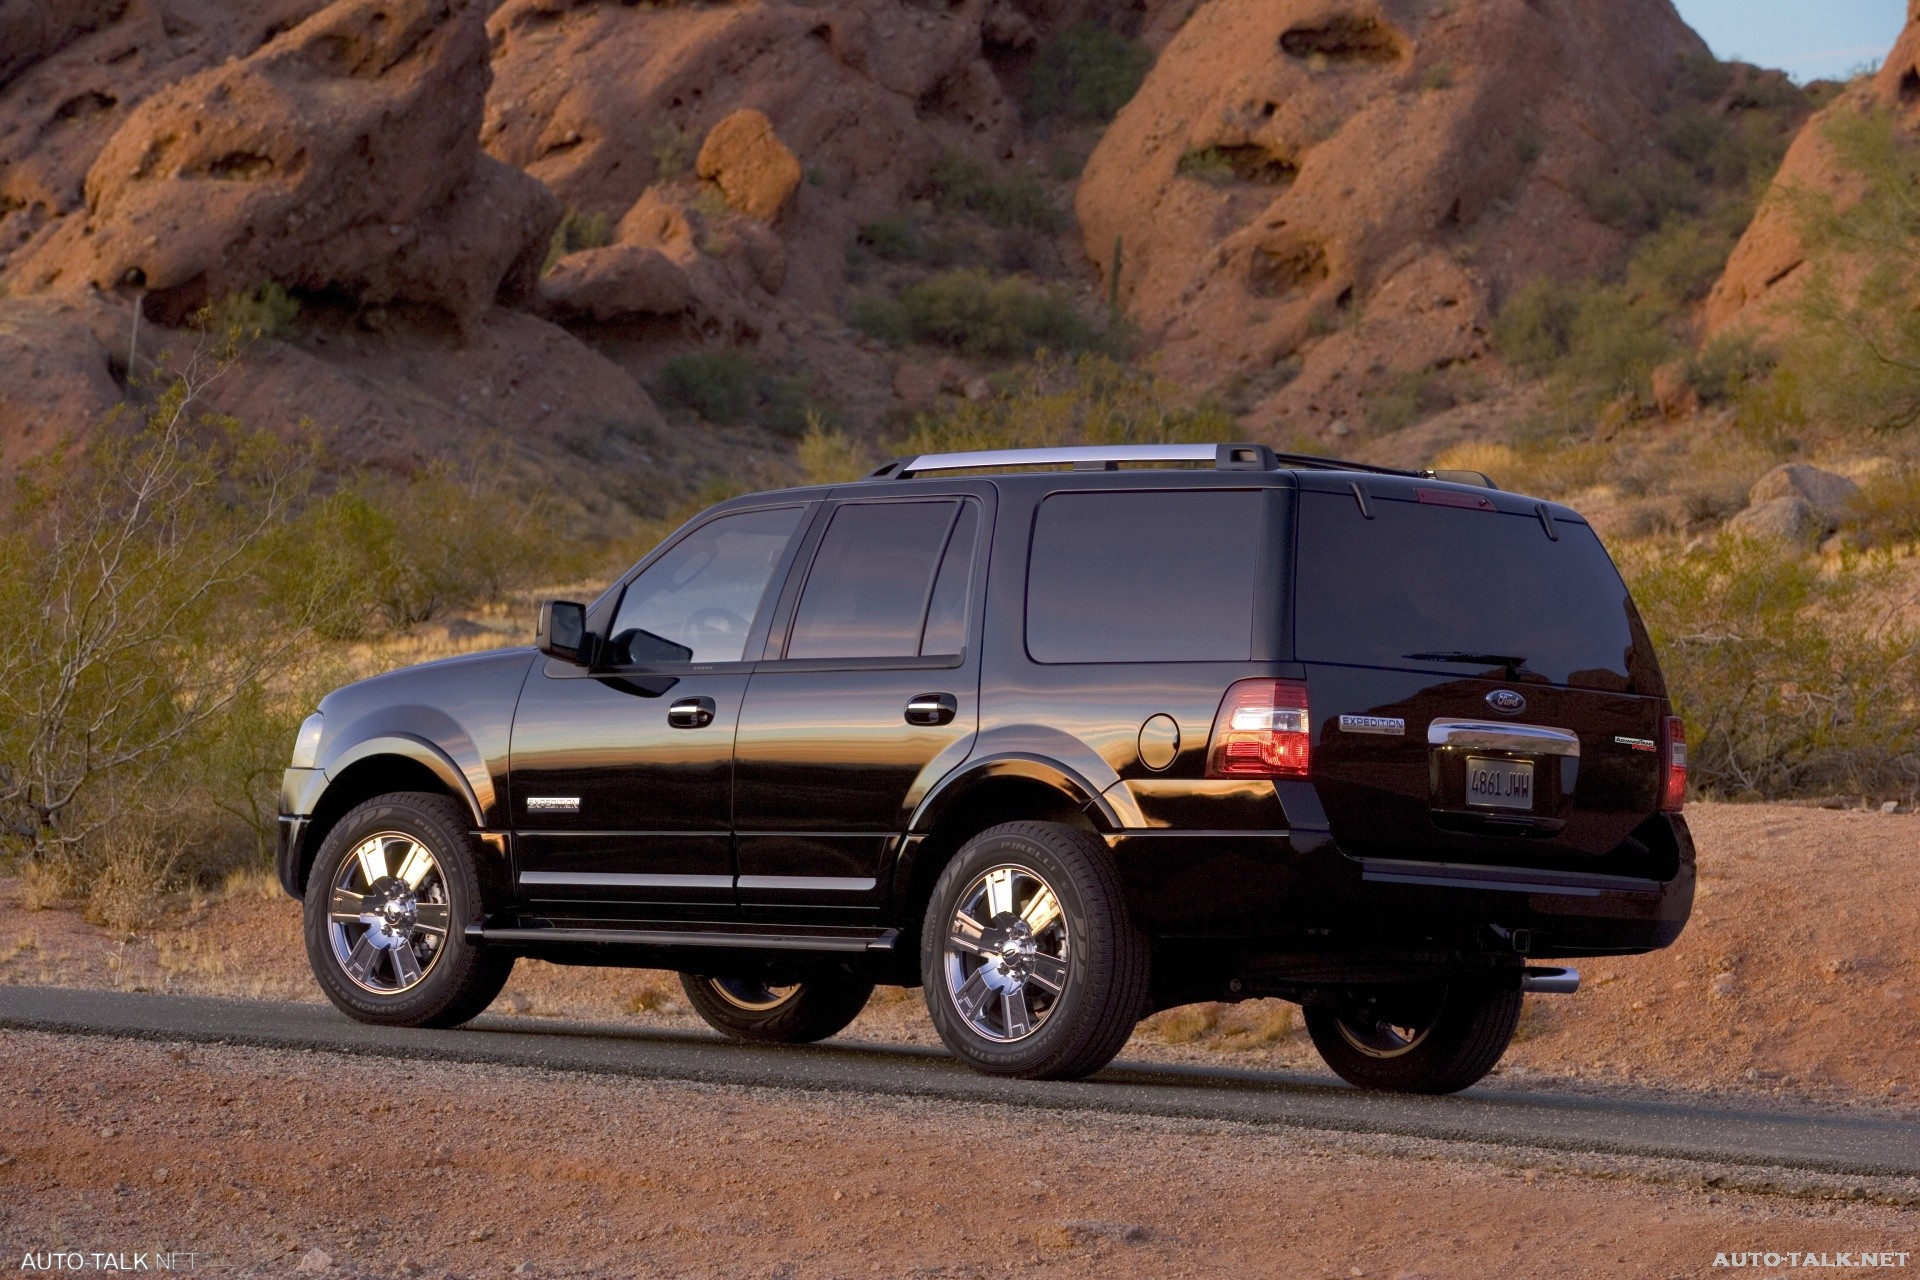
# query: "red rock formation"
[1292,167]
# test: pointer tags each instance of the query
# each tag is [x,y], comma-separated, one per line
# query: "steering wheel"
[712,625]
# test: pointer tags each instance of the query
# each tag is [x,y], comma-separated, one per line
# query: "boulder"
[1286,161]
[55,378]
[340,157]
[750,164]
[1785,519]
[1826,495]
[1673,391]
[614,283]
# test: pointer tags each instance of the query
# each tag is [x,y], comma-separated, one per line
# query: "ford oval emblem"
[1506,700]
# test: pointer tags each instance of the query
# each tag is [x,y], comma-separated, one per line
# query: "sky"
[1809,39]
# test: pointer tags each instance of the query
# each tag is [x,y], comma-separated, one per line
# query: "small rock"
[106,1131]
[1890,806]
[1127,1232]
[1724,986]
[526,1269]
[313,1262]
[160,1174]
[516,1002]
[979,391]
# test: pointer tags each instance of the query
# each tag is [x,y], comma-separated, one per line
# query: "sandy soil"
[1799,977]
[287,1163]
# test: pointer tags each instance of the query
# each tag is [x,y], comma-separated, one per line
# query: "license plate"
[1499,784]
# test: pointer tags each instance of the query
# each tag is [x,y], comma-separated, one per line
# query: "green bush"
[1089,399]
[729,387]
[266,312]
[1792,681]
[1088,71]
[979,315]
[961,184]
[893,239]
[576,231]
[1886,511]
[1724,368]
[1598,342]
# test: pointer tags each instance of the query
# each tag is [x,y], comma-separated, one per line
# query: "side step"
[858,941]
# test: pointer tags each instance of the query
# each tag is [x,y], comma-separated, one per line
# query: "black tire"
[1089,944]
[1449,1035]
[458,979]
[749,1009]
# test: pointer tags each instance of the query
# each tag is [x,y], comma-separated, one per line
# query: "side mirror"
[563,632]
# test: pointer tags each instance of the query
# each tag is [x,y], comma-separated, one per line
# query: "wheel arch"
[1005,789]
[377,767]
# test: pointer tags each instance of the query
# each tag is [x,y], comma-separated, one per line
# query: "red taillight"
[1261,731]
[1673,764]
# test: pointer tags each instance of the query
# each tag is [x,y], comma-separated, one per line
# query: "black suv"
[1065,735]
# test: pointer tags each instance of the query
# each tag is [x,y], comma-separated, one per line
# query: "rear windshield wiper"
[1512,662]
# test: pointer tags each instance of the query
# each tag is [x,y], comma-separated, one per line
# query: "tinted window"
[1425,579]
[866,595]
[1144,577]
[946,630]
[696,603]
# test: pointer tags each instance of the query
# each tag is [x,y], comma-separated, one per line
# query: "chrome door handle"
[932,708]
[691,713]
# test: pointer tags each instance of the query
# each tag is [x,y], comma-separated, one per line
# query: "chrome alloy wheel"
[387,917]
[1006,954]
[1380,1034]
[751,994]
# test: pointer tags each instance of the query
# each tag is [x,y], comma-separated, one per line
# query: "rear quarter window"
[1419,578]
[1144,576]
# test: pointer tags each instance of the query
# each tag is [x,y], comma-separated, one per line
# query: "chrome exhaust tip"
[1555,981]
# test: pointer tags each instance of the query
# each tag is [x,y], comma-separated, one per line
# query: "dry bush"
[1250,1024]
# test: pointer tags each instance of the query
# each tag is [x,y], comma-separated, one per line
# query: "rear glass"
[1420,579]
[1144,576]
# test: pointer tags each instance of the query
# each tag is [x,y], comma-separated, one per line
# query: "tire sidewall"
[453,847]
[1472,1029]
[1064,1026]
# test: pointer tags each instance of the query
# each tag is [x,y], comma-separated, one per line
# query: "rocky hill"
[636,246]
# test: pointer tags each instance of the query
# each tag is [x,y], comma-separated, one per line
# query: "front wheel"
[797,1013]
[1031,965]
[1424,1038]
[390,892]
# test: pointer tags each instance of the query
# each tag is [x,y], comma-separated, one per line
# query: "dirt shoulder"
[1799,977]
[272,1162]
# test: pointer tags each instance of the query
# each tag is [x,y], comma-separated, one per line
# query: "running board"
[1557,981]
[864,941]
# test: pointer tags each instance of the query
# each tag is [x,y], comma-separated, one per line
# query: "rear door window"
[1435,587]
[1144,576]
[868,591]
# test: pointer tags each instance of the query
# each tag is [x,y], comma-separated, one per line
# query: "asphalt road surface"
[1671,1128]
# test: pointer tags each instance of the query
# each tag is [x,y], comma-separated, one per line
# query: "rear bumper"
[1299,884]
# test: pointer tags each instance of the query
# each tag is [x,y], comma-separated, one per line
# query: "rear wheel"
[390,891]
[1426,1038]
[797,1013]
[1031,965]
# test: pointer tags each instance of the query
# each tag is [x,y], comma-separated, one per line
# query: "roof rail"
[1109,457]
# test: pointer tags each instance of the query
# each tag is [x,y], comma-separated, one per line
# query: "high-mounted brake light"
[1673,764]
[1261,731]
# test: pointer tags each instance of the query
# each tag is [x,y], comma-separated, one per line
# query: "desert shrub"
[1546,469]
[1723,369]
[1854,359]
[266,312]
[730,387]
[577,231]
[894,239]
[1599,342]
[1641,197]
[1792,680]
[961,184]
[979,315]
[1534,327]
[1088,71]
[1091,399]
[418,547]
[1886,511]
[672,149]
[1408,396]
[829,455]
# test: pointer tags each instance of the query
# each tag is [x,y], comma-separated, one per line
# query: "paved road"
[1678,1128]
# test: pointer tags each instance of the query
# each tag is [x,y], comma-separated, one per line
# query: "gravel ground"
[268,1162]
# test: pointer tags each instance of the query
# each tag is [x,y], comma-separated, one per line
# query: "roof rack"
[1224,457]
